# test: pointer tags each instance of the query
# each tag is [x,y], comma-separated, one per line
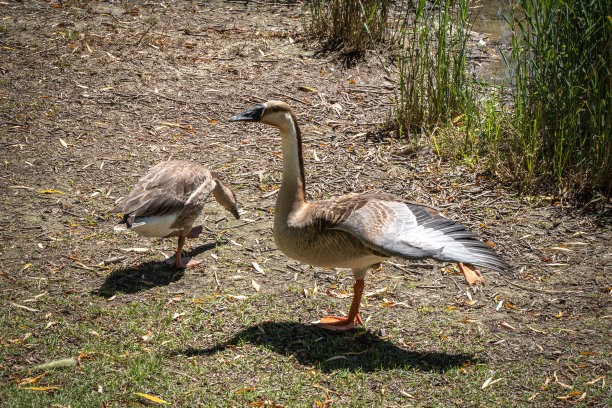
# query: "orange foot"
[338,324]
[472,275]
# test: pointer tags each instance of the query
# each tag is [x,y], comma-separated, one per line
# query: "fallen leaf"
[566,386]
[537,331]
[489,383]
[558,249]
[40,388]
[378,292]
[63,142]
[49,325]
[238,297]
[51,192]
[395,304]
[177,315]
[336,358]
[147,337]
[258,268]
[338,295]
[135,249]
[152,398]
[307,89]
[507,326]
[571,395]
[29,309]
[595,380]
[255,285]
[32,380]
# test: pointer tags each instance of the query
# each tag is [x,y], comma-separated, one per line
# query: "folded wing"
[165,190]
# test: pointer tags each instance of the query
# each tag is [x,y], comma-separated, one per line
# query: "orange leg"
[338,324]
[471,274]
[179,261]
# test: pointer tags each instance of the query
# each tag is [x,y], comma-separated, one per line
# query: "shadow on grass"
[146,275]
[355,350]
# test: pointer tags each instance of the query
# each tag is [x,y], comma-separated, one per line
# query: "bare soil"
[92,94]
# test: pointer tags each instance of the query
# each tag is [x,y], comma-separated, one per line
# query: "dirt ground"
[92,94]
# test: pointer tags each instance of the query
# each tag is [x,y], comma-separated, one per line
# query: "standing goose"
[167,201]
[358,231]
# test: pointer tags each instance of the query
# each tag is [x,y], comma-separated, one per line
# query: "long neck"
[222,193]
[293,187]
[218,192]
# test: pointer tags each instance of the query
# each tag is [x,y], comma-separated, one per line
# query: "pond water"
[492,34]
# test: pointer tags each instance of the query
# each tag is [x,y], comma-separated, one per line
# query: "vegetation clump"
[552,122]
[563,95]
[351,25]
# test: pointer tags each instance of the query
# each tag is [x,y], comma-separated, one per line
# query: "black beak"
[252,115]
[235,213]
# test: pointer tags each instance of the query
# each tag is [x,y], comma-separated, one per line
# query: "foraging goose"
[167,201]
[358,231]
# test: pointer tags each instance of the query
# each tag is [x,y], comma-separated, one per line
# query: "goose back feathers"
[169,198]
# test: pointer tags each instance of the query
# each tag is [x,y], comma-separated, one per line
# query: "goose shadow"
[146,275]
[355,350]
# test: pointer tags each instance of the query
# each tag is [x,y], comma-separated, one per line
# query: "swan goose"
[358,231]
[167,201]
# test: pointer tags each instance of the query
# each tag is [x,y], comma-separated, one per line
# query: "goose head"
[274,113]
[225,196]
[281,116]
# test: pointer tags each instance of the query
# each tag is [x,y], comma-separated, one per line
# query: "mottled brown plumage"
[168,199]
[358,231]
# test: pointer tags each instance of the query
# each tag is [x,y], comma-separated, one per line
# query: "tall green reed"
[561,52]
[433,85]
